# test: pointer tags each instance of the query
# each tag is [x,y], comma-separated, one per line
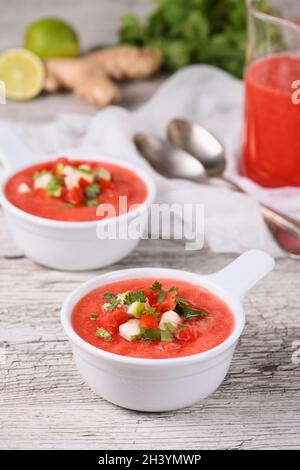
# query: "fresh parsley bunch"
[193,31]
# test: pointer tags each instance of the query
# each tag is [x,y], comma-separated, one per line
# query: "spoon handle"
[285,229]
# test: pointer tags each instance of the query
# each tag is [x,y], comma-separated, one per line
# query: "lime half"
[23,74]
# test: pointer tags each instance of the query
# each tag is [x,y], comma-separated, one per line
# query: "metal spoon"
[204,146]
[168,160]
[177,163]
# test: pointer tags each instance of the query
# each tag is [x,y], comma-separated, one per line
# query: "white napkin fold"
[200,93]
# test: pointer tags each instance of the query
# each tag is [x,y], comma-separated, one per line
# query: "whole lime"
[51,37]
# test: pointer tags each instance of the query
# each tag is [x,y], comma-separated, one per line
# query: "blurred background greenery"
[188,31]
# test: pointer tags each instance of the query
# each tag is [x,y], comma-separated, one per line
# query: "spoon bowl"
[169,160]
[200,143]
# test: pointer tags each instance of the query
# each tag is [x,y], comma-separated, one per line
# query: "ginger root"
[93,76]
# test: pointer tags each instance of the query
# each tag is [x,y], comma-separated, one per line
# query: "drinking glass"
[271,145]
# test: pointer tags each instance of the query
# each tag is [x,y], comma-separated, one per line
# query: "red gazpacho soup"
[71,190]
[151,318]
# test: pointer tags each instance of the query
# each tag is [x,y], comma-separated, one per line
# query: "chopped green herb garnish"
[134,337]
[103,333]
[161,296]
[193,312]
[138,296]
[67,205]
[156,286]
[91,203]
[170,327]
[94,316]
[54,186]
[152,311]
[189,312]
[183,309]
[172,289]
[92,190]
[38,174]
[182,327]
[113,299]
[148,334]
[166,336]
[181,301]
[84,170]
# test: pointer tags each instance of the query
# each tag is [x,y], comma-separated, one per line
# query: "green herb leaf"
[156,285]
[85,171]
[152,311]
[38,174]
[161,296]
[113,299]
[67,205]
[94,316]
[148,334]
[181,301]
[134,337]
[172,289]
[103,333]
[138,296]
[91,203]
[189,312]
[170,327]
[92,190]
[166,336]
[54,187]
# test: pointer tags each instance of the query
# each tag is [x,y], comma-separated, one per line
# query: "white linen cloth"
[201,93]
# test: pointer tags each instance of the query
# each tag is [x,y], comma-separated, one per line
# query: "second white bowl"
[70,246]
[166,384]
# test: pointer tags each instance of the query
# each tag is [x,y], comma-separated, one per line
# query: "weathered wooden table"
[44,404]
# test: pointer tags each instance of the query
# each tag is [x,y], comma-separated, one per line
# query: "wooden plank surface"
[45,404]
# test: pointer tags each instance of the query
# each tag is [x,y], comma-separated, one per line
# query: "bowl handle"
[14,154]
[244,272]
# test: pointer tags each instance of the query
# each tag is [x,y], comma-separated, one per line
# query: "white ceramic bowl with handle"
[70,246]
[166,384]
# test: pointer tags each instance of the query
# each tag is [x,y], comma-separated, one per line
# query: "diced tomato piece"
[74,196]
[151,295]
[149,321]
[62,160]
[83,183]
[111,320]
[106,184]
[168,303]
[63,193]
[41,192]
[187,334]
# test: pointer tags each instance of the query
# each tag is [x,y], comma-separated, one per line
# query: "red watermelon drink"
[271,149]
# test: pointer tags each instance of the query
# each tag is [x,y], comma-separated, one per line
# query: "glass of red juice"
[271,144]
